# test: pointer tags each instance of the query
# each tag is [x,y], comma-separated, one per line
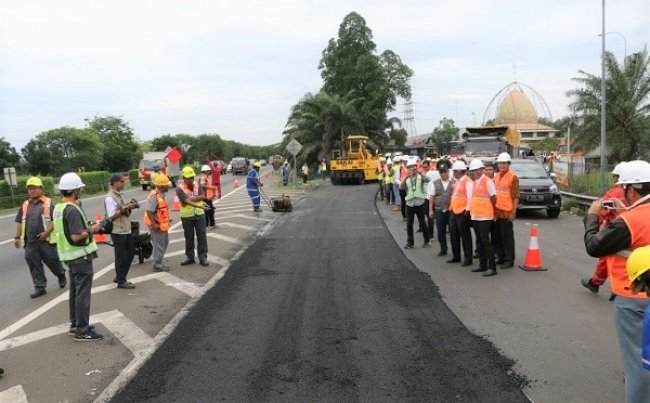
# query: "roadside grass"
[568,203]
[588,184]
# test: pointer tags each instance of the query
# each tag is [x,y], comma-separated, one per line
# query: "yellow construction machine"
[355,164]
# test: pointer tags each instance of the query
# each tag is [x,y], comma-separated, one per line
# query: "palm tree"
[628,106]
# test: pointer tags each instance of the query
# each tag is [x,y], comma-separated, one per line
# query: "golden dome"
[515,108]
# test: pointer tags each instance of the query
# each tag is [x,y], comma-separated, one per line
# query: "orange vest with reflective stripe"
[162,213]
[639,226]
[481,202]
[504,199]
[47,203]
[459,196]
[209,193]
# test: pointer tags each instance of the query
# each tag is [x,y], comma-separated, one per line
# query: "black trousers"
[505,242]
[81,282]
[442,222]
[209,214]
[390,195]
[123,248]
[460,230]
[411,212]
[381,190]
[191,226]
[483,230]
[402,196]
[37,253]
[431,222]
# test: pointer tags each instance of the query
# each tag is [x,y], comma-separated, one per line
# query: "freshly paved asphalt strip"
[325,307]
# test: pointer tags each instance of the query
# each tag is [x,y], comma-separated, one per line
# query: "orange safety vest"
[504,199]
[47,203]
[209,193]
[459,196]
[481,202]
[162,212]
[639,226]
[403,172]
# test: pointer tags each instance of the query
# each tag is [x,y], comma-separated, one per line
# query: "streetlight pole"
[603,111]
[624,42]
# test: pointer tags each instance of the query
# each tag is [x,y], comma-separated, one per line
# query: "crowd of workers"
[55,234]
[617,231]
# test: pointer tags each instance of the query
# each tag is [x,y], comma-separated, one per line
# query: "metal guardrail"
[582,200]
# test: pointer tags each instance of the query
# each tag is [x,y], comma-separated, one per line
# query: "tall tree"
[121,148]
[62,150]
[628,106]
[9,157]
[443,135]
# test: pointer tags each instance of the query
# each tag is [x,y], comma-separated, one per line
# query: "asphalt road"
[325,307]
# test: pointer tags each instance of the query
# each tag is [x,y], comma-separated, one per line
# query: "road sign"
[294,147]
[10,176]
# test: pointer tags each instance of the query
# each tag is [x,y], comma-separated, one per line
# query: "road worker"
[253,185]
[600,273]
[415,185]
[192,213]
[33,232]
[209,191]
[285,173]
[403,173]
[623,235]
[482,214]
[216,170]
[440,192]
[118,210]
[157,218]
[505,211]
[395,173]
[75,245]
[388,181]
[380,178]
[459,222]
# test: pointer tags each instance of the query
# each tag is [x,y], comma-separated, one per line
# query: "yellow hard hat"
[188,172]
[637,264]
[257,164]
[34,181]
[162,180]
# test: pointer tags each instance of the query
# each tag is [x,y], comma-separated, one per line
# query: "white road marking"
[7,241]
[218,213]
[240,226]
[249,217]
[223,237]
[13,395]
[127,332]
[234,207]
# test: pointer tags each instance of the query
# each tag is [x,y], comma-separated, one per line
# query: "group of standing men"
[475,197]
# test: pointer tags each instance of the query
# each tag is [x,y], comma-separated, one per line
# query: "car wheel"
[553,212]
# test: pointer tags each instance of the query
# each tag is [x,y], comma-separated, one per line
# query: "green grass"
[568,203]
[588,184]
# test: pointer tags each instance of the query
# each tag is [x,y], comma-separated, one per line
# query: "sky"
[236,68]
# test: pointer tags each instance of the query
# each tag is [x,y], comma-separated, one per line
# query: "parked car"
[537,191]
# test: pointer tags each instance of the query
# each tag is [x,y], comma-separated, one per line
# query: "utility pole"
[603,111]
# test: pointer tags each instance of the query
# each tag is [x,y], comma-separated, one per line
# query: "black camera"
[608,203]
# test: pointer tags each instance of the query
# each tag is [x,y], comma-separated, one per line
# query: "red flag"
[174,155]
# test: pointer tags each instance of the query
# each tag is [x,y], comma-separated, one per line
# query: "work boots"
[588,284]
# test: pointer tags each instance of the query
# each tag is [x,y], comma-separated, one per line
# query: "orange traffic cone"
[99,238]
[235,184]
[533,261]
[177,204]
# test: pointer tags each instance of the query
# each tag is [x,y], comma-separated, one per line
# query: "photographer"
[118,211]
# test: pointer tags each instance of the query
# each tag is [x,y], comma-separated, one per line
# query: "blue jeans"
[398,200]
[628,317]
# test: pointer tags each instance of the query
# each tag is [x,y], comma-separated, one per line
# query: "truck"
[239,165]
[157,160]
[354,164]
[487,142]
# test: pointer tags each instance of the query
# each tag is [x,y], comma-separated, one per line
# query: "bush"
[20,191]
[95,181]
[133,177]
[568,203]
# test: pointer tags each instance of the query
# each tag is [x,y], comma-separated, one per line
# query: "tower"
[409,118]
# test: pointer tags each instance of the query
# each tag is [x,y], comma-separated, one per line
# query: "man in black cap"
[118,211]
[439,199]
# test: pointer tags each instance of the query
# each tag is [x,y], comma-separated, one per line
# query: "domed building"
[518,106]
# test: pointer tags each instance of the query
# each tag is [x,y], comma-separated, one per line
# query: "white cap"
[618,169]
[459,166]
[411,162]
[389,162]
[504,157]
[70,181]
[475,164]
[397,158]
[205,168]
[635,172]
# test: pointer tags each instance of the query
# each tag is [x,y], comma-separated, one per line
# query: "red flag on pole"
[174,155]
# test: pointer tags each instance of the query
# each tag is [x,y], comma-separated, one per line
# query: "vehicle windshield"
[529,171]
[149,164]
[487,147]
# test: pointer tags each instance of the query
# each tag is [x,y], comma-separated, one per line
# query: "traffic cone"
[99,238]
[533,261]
[235,184]
[177,204]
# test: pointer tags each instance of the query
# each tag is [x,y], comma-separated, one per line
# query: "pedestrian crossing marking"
[224,238]
[15,394]
[240,226]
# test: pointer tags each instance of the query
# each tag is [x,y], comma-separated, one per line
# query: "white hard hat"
[205,168]
[397,158]
[635,172]
[475,164]
[411,162]
[70,181]
[459,166]
[387,155]
[504,157]
[618,169]
[389,162]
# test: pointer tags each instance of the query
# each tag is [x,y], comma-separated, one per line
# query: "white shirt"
[111,208]
[431,190]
